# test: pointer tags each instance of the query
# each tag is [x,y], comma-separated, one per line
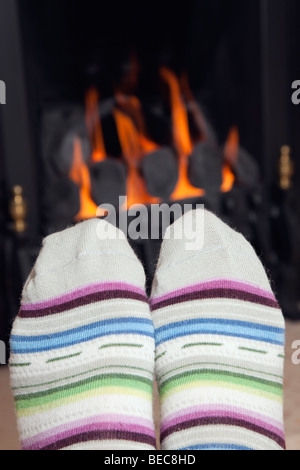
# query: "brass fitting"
[286,168]
[18,210]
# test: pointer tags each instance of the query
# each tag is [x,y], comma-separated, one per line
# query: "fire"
[182,138]
[136,143]
[231,152]
[195,109]
[94,127]
[133,107]
[133,150]
[80,175]
[228,179]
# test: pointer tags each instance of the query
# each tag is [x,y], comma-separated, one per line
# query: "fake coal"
[108,180]
[205,167]
[160,171]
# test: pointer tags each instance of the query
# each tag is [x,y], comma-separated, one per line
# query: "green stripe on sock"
[220,376]
[80,375]
[120,345]
[218,364]
[20,365]
[253,350]
[161,355]
[63,357]
[200,344]
[105,380]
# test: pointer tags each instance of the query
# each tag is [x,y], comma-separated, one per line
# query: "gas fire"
[80,175]
[135,144]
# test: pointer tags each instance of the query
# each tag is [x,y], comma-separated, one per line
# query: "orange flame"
[182,138]
[80,175]
[194,108]
[231,152]
[132,106]
[228,179]
[132,152]
[94,127]
[135,144]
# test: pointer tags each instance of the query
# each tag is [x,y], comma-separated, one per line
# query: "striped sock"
[220,344]
[82,346]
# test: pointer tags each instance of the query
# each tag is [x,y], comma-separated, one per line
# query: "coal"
[60,127]
[63,157]
[108,179]
[160,171]
[246,169]
[205,167]
[62,200]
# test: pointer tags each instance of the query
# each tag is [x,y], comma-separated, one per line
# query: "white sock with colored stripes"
[219,343]
[82,346]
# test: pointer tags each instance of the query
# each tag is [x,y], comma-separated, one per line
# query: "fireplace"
[172,106]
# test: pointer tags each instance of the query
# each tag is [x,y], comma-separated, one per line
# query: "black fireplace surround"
[241,59]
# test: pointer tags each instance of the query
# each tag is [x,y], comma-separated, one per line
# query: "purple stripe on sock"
[223,413]
[223,421]
[216,284]
[102,436]
[82,291]
[82,301]
[96,429]
[217,294]
[48,437]
[209,410]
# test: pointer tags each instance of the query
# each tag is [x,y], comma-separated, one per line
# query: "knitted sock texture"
[219,344]
[82,346]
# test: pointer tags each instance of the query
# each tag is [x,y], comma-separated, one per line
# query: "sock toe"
[223,252]
[61,265]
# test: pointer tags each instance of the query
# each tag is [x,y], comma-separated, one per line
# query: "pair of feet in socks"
[83,345]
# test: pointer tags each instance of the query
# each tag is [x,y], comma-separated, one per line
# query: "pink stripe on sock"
[223,412]
[215,284]
[83,291]
[95,423]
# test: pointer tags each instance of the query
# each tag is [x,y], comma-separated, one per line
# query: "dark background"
[217,42]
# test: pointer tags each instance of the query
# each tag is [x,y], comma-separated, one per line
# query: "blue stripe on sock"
[216,447]
[208,326]
[118,326]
